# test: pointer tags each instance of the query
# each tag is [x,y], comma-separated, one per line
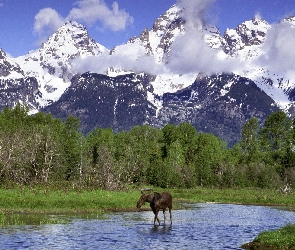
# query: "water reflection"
[202,226]
[161,229]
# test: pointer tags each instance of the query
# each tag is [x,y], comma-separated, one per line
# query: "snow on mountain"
[246,51]
[8,68]
[245,37]
[51,64]
[155,43]
[250,43]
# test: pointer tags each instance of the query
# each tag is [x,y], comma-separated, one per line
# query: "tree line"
[39,149]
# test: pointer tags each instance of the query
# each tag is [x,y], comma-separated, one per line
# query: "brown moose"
[157,202]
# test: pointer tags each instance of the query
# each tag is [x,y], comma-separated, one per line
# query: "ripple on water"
[201,226]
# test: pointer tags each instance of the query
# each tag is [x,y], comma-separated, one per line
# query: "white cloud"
[128,57]
[48,20]
[278,50]
[189,52]
[91,11]
[195,12]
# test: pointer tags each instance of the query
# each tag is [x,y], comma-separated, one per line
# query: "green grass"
[35,206]
[283,238]
[57,202]
[237,196]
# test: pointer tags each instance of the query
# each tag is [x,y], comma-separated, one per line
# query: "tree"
[12,143]
[44,146]
[137,150]
[169,136]
[187,134]
[72,146]
[209,156]
[276,136]
[250,141]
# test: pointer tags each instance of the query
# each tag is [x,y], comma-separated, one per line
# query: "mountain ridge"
[56,80]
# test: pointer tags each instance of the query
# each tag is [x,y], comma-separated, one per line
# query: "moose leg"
[164,210]
[170,212]
[156,217]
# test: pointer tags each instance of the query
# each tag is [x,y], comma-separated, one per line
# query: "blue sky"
[26,23]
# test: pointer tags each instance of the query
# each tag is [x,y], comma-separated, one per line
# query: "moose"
[157,202]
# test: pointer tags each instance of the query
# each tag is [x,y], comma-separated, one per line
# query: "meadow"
[43,201]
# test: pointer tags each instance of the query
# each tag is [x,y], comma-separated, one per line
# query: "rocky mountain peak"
[159,39]
[69,41]
[2,54]
[290,20]
[212,37]
[249,33]
[8,68]
[253,32]
[166,20]
[51,64]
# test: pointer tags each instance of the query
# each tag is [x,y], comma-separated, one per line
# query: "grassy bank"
[37,200]
[45,201]
[40,206]
[283,238]
[238,196]
[60,202]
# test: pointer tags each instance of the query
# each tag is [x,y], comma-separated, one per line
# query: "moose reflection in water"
[157,202]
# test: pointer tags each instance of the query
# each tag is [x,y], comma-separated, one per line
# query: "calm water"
[201,226]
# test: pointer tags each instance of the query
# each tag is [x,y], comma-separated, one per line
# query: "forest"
[41,150]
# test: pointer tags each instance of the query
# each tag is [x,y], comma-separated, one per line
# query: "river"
[199,226]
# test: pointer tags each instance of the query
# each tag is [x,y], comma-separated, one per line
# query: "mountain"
[135,83]
[15,86]
[8,68]
[51,64]
[219,104]
[157,41]
[245,37]
[119,102]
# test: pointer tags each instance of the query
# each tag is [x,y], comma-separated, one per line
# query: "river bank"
[283,238]
[39,200]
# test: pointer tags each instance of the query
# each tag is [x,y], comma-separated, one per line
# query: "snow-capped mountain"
[157,41]
[142,81]
[247,35]
[51,64]
[9,68]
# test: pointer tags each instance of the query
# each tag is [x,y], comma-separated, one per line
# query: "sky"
[25,24]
